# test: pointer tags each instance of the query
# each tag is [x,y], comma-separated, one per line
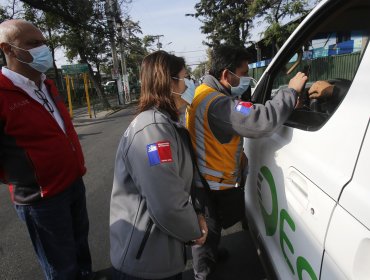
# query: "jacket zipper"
[72,146]
[34,173]
[145,238]
[21,91]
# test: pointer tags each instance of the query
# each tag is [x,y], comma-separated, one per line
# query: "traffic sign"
[75,69]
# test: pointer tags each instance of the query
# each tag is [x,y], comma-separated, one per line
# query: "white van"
[308,188]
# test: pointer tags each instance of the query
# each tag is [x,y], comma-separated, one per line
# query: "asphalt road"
[99,139]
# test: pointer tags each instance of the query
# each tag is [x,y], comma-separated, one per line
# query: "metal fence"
[323,68]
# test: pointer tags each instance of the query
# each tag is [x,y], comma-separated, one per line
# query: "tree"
[224,21]
[91,46]
[134,47]
[72,13]
[273,12]
[8,11]
[149,41]
[84,25]
[52,29]
[200,70]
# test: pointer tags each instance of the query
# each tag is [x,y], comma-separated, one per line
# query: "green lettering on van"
[270,219]
[284,216]
[303,264]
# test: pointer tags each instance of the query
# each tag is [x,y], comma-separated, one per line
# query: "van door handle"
[298,187]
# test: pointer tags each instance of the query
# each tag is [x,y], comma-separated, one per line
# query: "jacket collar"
[212,82]
[7,84]
[20,80]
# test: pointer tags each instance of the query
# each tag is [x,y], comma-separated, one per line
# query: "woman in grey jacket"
[151,217]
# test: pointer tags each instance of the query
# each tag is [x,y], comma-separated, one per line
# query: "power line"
[198,56]
[192,51]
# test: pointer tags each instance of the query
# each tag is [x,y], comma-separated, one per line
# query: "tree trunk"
[98,71]
[95,81]
[98,88]
[52,47]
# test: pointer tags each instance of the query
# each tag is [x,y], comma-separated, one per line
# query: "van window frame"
[264,90]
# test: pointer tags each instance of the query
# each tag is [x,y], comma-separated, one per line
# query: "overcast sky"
[181,34]
[165,17]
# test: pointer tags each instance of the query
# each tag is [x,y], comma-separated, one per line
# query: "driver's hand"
[298,81]
[321,89]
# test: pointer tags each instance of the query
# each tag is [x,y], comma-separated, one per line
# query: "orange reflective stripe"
[211,154]
[217,179]
[224,188]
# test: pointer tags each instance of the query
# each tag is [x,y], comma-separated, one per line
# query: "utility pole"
[110,11]
[159,44]
[126,85]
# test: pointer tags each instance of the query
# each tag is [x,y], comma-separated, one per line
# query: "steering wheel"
[326,106]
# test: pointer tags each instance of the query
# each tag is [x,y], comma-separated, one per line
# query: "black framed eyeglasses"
[41,95]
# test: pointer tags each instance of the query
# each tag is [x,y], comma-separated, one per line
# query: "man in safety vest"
[217,123]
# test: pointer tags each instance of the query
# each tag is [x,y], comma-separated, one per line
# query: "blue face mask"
[188,94]
[42,58]
[244,83]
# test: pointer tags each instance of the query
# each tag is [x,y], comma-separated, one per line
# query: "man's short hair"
[8,32]
[227,57]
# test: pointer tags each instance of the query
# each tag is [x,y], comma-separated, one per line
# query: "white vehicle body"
[308,188]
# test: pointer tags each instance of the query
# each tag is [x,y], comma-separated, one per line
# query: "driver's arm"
[321,90]
[234,117]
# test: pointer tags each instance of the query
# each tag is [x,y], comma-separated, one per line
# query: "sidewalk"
[81,115]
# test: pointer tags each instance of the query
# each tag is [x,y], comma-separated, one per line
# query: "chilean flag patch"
[243,107]
[159,152]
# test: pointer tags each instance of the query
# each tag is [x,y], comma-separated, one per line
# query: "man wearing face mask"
[40,155]
[217,122]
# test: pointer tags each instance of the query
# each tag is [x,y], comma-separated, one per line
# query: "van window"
[332,54]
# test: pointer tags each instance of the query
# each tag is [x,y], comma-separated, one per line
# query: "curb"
[107,114]
[121,108]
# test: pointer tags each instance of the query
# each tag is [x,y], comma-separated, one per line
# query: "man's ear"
[223,78]
[224,74]
[6,48]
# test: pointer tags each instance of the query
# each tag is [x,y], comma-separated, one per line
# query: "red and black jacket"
[37,159]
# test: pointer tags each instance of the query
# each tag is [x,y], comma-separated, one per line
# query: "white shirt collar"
[20,80]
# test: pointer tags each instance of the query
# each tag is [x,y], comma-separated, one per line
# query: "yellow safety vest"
[219,163]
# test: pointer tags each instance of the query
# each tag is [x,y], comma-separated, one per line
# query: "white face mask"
[188,94]
[244,83]
[42,58]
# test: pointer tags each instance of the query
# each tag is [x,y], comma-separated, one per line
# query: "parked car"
[110,87]
[307,192]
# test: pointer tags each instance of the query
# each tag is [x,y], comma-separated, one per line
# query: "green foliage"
[50,26]
[200,70]
[73,13]
[84,29]
[227,21]
[203,67]
[133,45]
[273,12]
[148,41]
[3,14]
[224,21]
[10,9]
